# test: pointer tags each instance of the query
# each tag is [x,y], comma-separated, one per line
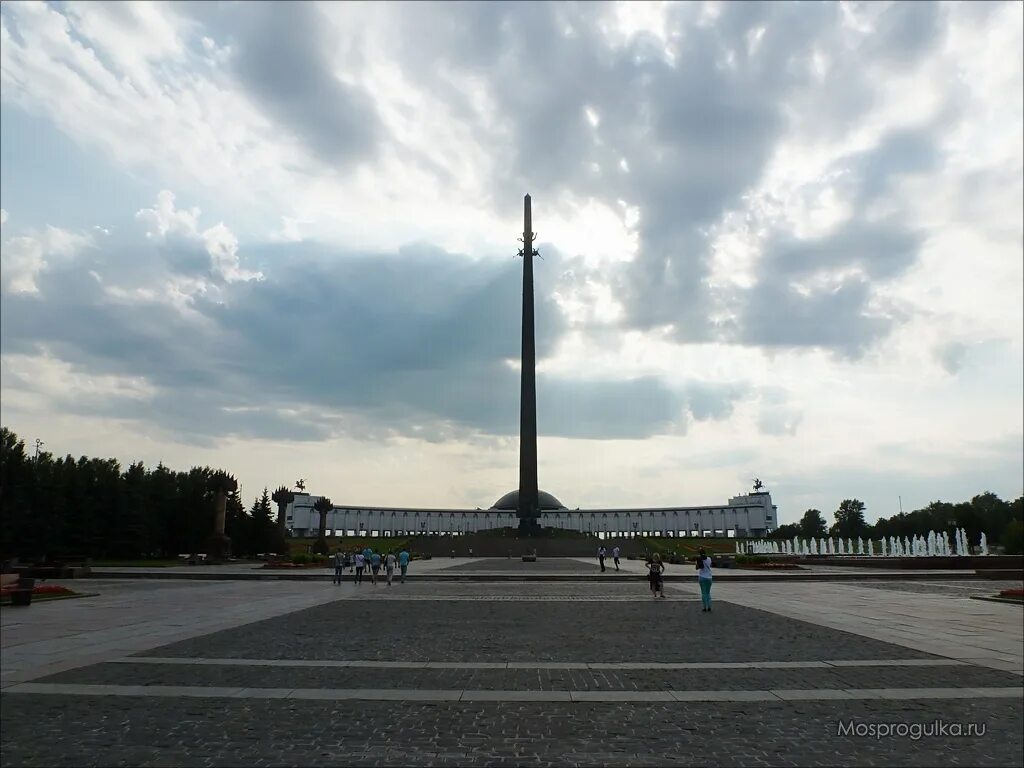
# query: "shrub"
[300,559]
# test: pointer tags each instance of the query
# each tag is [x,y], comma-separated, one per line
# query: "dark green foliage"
[985,513]
[1013,537]
[812,524]
[58,507]
[849,519]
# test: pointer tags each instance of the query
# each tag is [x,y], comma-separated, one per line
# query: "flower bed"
[42,593]
[42,589]
[1017,594]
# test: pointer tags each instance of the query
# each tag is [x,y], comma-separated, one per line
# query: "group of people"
[656,574]
[360,561]
[602,553]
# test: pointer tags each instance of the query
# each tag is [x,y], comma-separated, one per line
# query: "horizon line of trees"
[999,520]
[92,507]
[53,507]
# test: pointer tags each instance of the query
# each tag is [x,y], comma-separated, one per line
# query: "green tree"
[282,497]
[1013,538]
[785,532]
[264,529]
[812,524]
[850,519]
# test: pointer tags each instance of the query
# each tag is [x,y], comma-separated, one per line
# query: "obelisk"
[529,511]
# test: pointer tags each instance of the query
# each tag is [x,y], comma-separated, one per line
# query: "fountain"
[883,545]
[871,548]
[961,543]
[984,544]
[860,546]
[839,548]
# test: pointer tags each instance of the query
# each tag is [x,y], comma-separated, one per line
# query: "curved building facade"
[751,514]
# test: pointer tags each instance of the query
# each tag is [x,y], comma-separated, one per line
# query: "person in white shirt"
[360,565]
[704,579]
[389,565]
[615,557]
[600,557]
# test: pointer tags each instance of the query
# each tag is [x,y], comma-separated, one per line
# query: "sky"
[777,241]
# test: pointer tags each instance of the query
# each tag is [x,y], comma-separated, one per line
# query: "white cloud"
[23,258]
[828,222]
[166,221]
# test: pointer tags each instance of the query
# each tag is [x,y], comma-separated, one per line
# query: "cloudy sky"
[778,241]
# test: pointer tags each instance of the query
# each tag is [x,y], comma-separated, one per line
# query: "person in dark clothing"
[656,571]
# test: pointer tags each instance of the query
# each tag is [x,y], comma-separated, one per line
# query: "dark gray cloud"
[284,59]
[416,342]
[697,129]
[778,315]
[904,32]
[697,118]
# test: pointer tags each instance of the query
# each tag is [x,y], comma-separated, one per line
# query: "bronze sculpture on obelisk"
[529,505]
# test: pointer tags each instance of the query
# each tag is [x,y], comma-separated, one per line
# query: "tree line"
[985,513]
[93,507]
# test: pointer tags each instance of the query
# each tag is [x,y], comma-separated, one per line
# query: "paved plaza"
[505,673]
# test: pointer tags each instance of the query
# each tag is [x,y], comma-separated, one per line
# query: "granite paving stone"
[118,731]
[536,679]
[548,632]
[535,632]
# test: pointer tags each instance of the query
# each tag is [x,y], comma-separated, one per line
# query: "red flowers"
[42,589]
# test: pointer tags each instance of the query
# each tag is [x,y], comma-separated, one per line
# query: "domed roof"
[511,501]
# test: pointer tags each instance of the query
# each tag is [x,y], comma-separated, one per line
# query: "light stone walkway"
[421,694]
[978,632]
[127,617]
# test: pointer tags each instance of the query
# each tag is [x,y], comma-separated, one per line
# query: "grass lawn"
[297,546]
[688,547]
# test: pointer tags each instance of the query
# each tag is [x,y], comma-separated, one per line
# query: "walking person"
[615,556]
[389,565]
[656,575]
[600,557]
[339,566]
[704,579]
[403,563]
[374,567]
[360,566]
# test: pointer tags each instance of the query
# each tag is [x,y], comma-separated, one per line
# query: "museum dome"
[511,501]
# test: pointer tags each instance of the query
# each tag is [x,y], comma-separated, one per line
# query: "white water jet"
[871,548]
[984,544]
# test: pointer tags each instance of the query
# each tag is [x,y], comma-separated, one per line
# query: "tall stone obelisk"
[529,506]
